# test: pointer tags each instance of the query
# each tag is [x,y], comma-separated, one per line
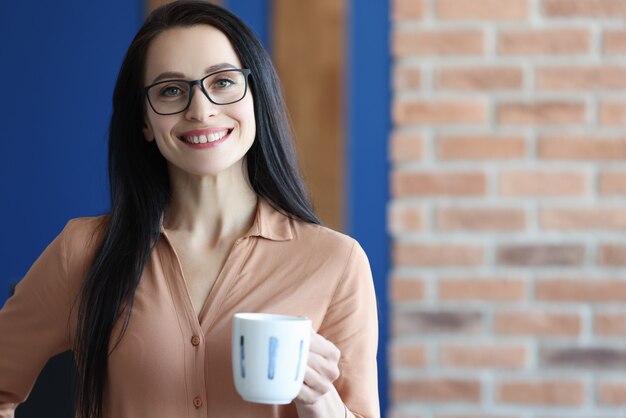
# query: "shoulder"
[327,241]
[88,224]
[306,232]
[84,233]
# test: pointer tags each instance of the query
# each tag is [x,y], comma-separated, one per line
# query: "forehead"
[189,51]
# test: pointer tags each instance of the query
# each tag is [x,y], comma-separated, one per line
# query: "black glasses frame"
[200,83]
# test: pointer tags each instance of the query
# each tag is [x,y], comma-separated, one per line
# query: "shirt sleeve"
[351,323]
[33,326]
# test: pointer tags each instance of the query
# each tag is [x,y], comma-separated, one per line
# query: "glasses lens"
[172,96]
[225,87]
[169,96]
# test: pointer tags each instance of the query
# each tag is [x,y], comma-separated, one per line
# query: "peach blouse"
[174,363]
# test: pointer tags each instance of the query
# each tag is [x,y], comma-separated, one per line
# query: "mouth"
[205,137]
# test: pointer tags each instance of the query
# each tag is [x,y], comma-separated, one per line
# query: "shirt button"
[197,402]
[195,340]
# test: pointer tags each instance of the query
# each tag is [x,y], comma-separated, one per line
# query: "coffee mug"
[269,356]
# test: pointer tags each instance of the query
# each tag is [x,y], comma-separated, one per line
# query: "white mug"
[269,356]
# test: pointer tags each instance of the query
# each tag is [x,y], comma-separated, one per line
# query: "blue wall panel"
[59,65]
[368,104]
[256,13]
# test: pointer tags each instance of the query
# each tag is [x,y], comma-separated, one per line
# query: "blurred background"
[475,148]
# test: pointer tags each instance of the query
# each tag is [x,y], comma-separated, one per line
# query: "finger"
[323,347]
[307,395]
[326,368]
[317,383]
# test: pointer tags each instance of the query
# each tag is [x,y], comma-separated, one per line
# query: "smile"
[205,138]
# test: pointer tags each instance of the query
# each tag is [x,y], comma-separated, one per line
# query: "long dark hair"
[140,191]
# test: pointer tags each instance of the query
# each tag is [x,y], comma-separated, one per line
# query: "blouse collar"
[269,223]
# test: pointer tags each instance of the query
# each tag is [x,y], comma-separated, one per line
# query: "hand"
[322,370]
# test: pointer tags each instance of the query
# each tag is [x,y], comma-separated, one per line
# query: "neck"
[210,208]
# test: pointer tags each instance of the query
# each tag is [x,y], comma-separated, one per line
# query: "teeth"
[203,139]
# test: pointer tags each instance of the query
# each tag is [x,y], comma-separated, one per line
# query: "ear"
[147,132]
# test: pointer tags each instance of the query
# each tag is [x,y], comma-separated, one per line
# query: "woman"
[209,217]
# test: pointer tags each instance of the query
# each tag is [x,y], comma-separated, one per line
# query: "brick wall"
[508,209]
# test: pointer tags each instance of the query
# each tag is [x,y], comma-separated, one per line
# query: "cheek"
[246,117]
[161,125]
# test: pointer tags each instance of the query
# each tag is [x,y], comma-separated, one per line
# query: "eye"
[171,91]
[223,83]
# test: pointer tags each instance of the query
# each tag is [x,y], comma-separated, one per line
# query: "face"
[206,139]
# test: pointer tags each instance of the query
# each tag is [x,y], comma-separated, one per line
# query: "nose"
[200,108]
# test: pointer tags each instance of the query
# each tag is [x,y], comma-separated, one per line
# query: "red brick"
[542,392]
[574,78]
[476,415]
[485,289]
[406,183]
[476,147]
[588,358]
[612,255]
[408,355]
[614,41]
[537,323]
[610,324]
[581,290]
[583,218]
[407,78]
[436,390]
[541,113]
[546,42]
[406,290]
[403,218]
[406,147]
[438,255]
[565,147]
[492,10]
[479,79]
[612,183]
[480,219]
[438,42]
[481,415]
[542,183]
[441,322]
[407,9]
[612,393]
[540,255]
[483,356]
[403,414]
[613,113]
[613,9]
[440,112]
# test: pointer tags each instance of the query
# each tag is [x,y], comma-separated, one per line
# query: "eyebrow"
[168,75]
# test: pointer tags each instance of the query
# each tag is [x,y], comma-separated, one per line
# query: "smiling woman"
[209,217]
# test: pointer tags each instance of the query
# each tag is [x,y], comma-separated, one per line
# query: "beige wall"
[508,210]
[308,51]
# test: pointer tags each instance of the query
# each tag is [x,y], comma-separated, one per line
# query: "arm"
[346,354]
[33,326]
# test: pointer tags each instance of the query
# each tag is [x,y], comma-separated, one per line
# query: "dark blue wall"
[257,14]
[367,172]
[59,64]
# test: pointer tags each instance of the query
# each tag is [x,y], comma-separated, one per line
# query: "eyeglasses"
[221,88]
